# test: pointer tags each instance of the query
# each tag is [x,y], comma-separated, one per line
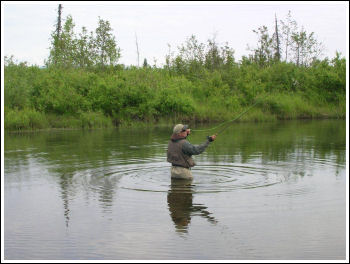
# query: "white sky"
[26,26]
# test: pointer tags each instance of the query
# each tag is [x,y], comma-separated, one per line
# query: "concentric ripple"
[152,174]
[208,177]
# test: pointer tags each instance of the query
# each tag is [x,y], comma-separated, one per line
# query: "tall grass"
[29,119]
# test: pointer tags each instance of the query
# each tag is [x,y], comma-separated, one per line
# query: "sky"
[26,26]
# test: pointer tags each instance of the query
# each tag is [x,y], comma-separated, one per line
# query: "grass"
[29,119]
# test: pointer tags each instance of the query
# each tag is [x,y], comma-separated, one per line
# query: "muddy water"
[260,191]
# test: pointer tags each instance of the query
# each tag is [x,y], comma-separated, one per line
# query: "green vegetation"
[82,86]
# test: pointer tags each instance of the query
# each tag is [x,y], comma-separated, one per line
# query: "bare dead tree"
[278,52]
[137,50]
[59,21]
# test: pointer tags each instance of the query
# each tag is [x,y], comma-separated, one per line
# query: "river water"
[260,191]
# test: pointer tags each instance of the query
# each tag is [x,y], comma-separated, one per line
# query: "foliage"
[121,95]
[84,51]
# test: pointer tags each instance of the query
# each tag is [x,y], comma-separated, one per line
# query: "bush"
[169,102]
[95,120]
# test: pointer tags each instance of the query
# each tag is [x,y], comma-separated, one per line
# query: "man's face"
[185,133]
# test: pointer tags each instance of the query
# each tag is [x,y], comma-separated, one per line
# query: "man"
[180,152]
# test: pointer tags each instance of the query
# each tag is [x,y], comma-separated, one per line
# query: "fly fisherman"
[180,152]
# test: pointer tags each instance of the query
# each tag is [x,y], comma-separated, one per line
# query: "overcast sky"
[26,26]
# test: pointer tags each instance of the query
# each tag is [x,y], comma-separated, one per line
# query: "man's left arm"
[190,149]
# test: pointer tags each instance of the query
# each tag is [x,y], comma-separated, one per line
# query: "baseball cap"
[179,128]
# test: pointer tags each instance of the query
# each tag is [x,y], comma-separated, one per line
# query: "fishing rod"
[230,121]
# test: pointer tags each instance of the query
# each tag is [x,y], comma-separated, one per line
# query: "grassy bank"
[30,119]
[38,98]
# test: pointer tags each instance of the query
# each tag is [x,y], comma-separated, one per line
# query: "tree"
[213,60]
[137,51]
[63,45]
[106,48]
[277,43]
[288,28]
[300,47]
[169,61]
[192,51]
[59,22]
[145,64]
[194,58]
[263,53]
[190,59]
[217,57]
[306,48]
[56,39]
[227,55]
[84,56]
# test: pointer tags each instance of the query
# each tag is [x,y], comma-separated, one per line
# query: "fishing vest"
[175,155]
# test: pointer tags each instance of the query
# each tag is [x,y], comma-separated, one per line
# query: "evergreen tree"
[145,64]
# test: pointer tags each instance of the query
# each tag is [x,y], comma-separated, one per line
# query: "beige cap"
[179,128]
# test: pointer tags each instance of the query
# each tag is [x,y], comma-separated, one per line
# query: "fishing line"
[229,121]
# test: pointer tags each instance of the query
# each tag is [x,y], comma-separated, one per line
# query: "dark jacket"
[180,151]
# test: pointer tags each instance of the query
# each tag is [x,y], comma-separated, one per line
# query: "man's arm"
[190,149]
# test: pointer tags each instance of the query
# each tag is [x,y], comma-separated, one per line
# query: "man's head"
[181,129]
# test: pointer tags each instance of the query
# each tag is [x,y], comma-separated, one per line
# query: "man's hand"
[211,138]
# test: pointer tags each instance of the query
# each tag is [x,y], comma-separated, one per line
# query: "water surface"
[260,191]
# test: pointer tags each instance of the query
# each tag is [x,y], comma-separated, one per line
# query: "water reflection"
[99,182]
[181,207]
[64,184]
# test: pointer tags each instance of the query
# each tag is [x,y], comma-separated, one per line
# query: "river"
[260,191]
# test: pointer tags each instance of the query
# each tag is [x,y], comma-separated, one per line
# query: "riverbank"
[23,120]
[41,98]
